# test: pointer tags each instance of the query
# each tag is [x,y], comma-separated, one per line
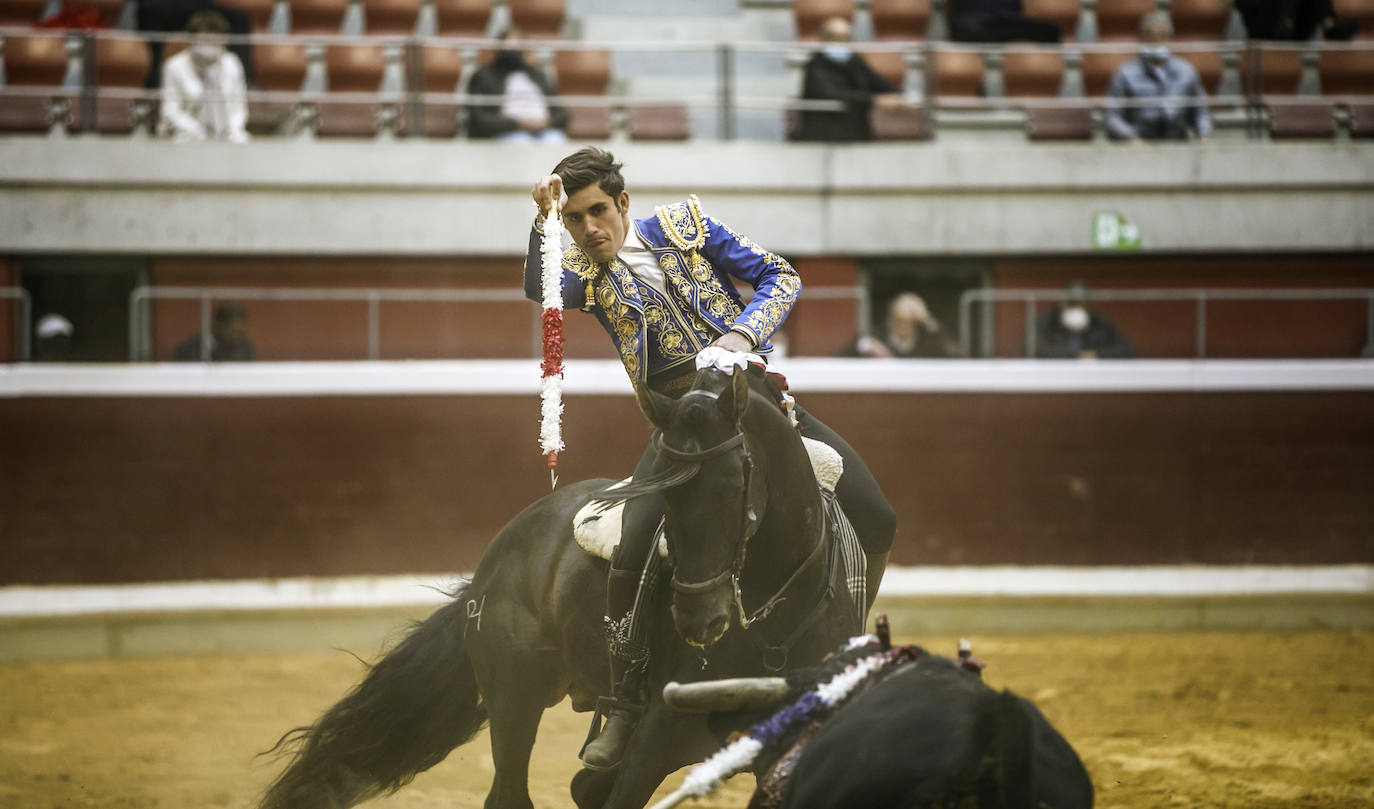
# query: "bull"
[927,732]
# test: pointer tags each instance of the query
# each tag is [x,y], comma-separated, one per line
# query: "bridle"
[749,524]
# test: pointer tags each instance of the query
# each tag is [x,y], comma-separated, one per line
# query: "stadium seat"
[442,69]
[1362,120]
[1362,10]
[582,72]
[1059,123]
[462,18]
[1302,120]
[1346,72]
[259,11]
[585,73]
[904,124]
[1120,19]
[958,73]
[21,13]
[891,65]
[32,62]
[1200,19]
[317,16]
[1280,69]
[900,20]
[351,69]
[1063,13]
[659,122]
[280,69]
[1208,66]
[391,17]
[538,19]
[1098,67]
[121,64]
[809,14]
[1034,72]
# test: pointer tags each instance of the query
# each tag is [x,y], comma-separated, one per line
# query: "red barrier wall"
[136,489]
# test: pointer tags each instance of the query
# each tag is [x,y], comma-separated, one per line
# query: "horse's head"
[714,499]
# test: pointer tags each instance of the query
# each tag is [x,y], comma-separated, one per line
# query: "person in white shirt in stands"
[204,95]
[525,113]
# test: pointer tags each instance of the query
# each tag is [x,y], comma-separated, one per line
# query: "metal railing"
[24,329]
[1032,298]
[717,87]
[140,309]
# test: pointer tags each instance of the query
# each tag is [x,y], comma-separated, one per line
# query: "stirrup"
[606,708]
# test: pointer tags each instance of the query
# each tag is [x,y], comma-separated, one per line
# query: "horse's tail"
[415,705]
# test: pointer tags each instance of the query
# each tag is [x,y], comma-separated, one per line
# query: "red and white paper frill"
[551,386]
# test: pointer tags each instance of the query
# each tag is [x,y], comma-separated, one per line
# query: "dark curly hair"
[591,165]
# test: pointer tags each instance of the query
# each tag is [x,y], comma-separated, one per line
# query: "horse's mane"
[692,411]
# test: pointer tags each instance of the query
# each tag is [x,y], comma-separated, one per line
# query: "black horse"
[527,630]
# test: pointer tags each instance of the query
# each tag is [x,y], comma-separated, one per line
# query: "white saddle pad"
[598,532]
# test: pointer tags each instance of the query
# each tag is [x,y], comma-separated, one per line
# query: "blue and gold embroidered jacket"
[698,255]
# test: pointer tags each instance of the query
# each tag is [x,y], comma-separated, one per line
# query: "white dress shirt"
[204,103]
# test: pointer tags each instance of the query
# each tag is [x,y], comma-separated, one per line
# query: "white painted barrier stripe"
[591,377]
[420,590]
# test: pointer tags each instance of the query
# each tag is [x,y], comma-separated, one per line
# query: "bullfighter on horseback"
[662,288]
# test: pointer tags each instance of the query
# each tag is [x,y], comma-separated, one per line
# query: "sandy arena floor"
[1205,719]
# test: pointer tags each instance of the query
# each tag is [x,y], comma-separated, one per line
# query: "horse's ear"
[739,394]
[654,405]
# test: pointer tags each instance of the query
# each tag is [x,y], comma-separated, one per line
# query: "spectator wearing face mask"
[1156,96]
[524,114]
[836,73]
[1074,330]
[204,96]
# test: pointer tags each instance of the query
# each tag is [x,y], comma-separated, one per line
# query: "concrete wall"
[92,195]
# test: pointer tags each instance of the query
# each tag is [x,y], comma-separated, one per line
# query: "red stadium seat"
[1362,120]
[317,16]
[958,73]
[1208,65]
[1346,72]
[1200,19]
[1098,68]
[442,68]
[280,69]
[121,64]
[590,123]
[1362,10]
[538,19]
[1059,123]
[1120,19]
[891,65]
[911,123]
[462,18]
[659,122]
[36,61]
[1063,13]
[21,13]
[1034,72]
[809,14]
[1280,70]
[258,11]
[351,69]
[391,17]
[582,72]
[902,20]
[1302,120]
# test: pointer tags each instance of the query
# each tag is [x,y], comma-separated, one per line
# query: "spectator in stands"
[204,96]
[1074,330]
[1294,20]
[525,114]
[997,21]
[908,331]
[1156,96]
[836,73]
[53,339]
[174,15]
[228,338]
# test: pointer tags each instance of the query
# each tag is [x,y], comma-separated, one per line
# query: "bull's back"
[932,735]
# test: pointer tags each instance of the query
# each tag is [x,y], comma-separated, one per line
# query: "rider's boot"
[629,658]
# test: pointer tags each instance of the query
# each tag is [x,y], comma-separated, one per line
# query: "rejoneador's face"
[596,223]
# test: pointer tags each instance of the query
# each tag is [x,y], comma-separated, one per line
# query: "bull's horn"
[737,694]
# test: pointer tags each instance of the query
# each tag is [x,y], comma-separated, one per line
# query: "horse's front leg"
[664,741]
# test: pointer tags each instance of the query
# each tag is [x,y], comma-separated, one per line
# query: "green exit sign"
[1112,231]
